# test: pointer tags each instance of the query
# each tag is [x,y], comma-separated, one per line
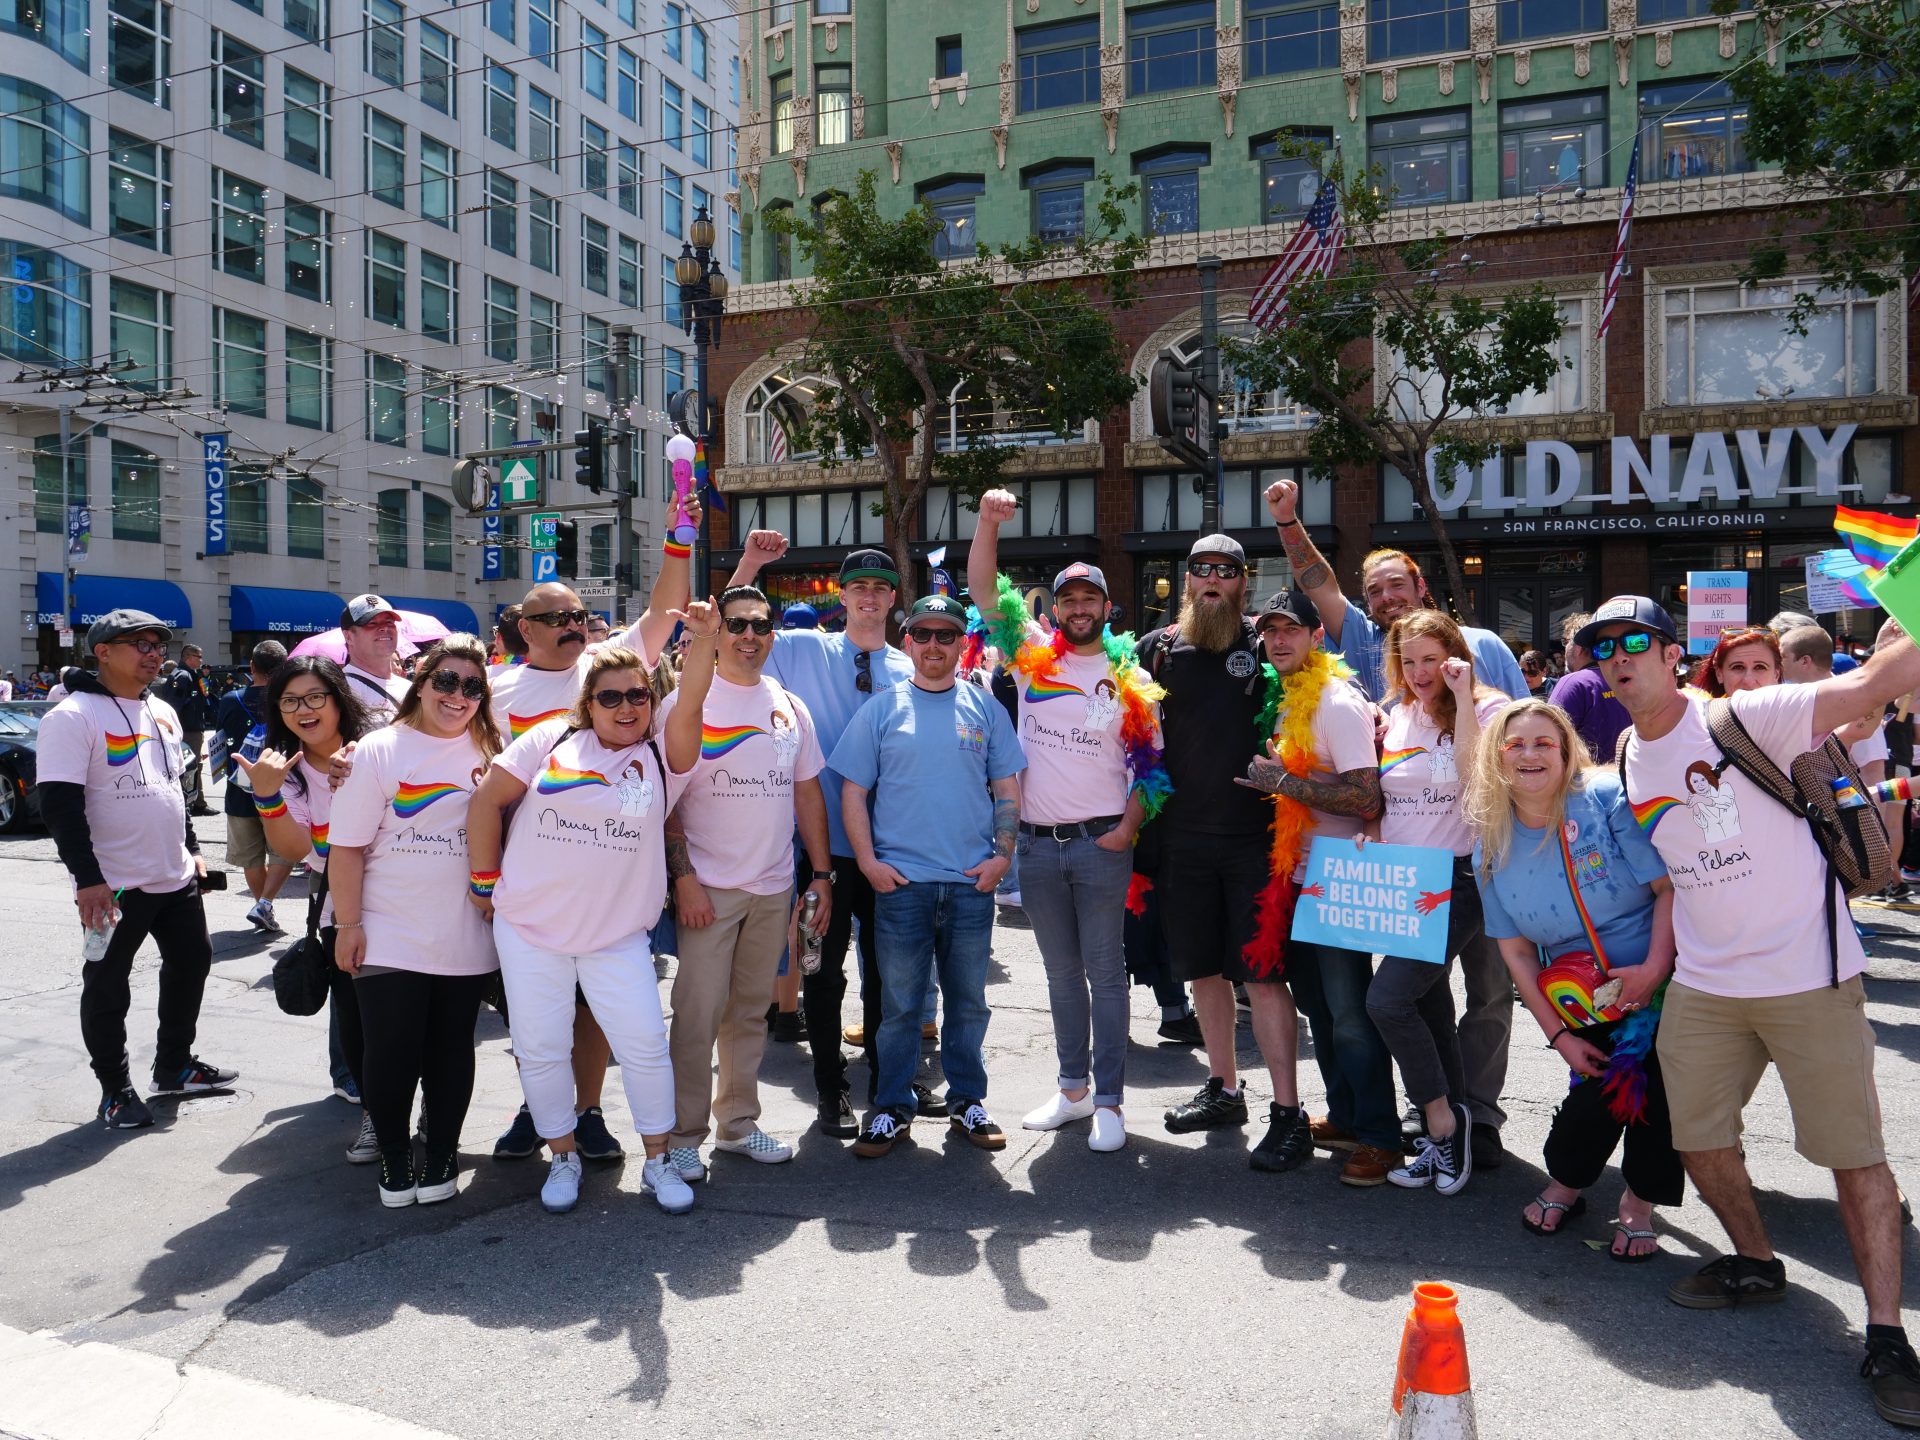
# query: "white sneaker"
[686,1159]
[1109,1130]
[1007,897]
[257,916]
[757,1145]
[1059,1111]
[365,1148]
[267,921]
[673,1193]
[562,1190]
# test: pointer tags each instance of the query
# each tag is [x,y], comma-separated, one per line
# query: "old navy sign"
[214,449]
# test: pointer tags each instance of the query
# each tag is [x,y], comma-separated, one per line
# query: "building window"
[63,26]
[436,529]
[1693,128]
[503,106]
[386,41]
[308,250]
[141,330]
[1289,184]
[390,528]
[386,260]
[439,431]
[629,282]
[44,144]
[306,518]
[240,220]
[1397,29]
[1171,47]
[540,31]
[833,104]
[50,495]
[386,158]
[782,113]
[672,115]
[140,48]
[1170,189]
[1415,394]
[1522,20]
[500,16]
[543,332]
[1424,160]
[50,312]
[1728,344]
[673,370]
[139,191]
[593,60]
[309,380]
[954,203]
[1059,199]
[543,232]
[438,66]
[503,417]
[438,164]
[503,319]
[307,122]
[386,401]
[439,297]
[669,292]
[247,509]
[949,58]
[239,89]
[700,140]
[733,238]
[593,352]
[1287,36]
[305,18]
[628,178]
[1058,64]
[733,79]
[593,157]
[779,247]
[240,362]
[697,49]
[703,201]
[672,31]
[1553,144]
[543,129]
[593,255]
[503,213]
[630,93]
[1666,12]
[673,204]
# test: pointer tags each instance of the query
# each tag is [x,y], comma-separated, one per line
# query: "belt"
[1078,830]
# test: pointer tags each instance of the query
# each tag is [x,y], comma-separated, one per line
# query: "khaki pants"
[720,996]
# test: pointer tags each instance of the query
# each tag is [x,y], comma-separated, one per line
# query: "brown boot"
[1368,1165]
[1329,1136]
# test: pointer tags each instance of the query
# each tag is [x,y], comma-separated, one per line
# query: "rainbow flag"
[1874,538]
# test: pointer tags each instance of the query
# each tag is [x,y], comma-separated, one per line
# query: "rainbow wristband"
[481,882]
[674,550]
[270,807]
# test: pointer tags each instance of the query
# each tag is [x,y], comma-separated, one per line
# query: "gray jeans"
[1075,894]
[1485,1029]
[1411,1003]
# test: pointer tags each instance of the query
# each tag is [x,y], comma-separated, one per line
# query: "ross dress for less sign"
[1716,603]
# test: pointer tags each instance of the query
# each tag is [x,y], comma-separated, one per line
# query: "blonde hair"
[1430,625]
[606,659]
[1489,795]
[458,646]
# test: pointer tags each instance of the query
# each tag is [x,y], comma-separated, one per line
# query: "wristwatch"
[826,875]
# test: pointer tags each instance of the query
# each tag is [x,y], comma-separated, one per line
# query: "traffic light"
[566,549]
[590,457]
[1175,405]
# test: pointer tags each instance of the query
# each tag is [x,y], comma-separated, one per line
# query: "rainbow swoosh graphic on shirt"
[518,725]
[122,748]
[319,833]
[1649,813]
[1399,757]
[410,800]
[715,742]
[557,777]
[1040,688]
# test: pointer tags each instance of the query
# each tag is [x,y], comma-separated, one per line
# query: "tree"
[1841,118]
[894,330]
[1451,355]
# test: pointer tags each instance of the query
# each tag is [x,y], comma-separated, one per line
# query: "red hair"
[1731,642]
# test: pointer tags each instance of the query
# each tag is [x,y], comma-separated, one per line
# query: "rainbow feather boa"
[1624,1082]
[1137,695]
[1287,715]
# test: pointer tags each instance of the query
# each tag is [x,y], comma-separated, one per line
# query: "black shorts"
[1209,887]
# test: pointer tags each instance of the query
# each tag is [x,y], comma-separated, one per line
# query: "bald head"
[553,646]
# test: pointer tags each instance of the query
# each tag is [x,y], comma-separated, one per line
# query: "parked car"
[19,733]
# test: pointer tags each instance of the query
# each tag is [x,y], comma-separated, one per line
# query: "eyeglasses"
[1638,643]
[317,700]
[145,647]
[760,625]
[933,635]
[863,671]
[1225,569]
[1541,745]
[445,682]
[613,699]
[557,619]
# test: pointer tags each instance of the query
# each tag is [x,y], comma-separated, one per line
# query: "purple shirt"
[1596,714]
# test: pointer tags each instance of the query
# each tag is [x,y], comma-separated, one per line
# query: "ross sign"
[213,449]
[543,530]
[1835,581]
[546,566]
[492,557]
[1377,899]
[79,532]
[520,481]
[1716,603]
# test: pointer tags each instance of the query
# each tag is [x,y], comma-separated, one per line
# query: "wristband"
[270,807]
[674,549]
[1295,521]
[1555,1038]
[481,882]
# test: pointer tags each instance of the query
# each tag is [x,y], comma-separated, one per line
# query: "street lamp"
[703,304]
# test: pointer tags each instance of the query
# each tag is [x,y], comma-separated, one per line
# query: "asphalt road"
[1043,1291]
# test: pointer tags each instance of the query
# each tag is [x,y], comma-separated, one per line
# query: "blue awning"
[95,595]
[455,616]
[266,609]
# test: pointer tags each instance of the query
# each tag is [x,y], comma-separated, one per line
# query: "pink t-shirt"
[1749,912]
[368,689]
[312,810]
[756,744]
[127,755]
[1070,733]
[406,804]
[1420,780]
[524,697]
[586,860]
[1342,741]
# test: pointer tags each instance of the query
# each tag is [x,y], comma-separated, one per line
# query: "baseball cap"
[869,565]
[1293,604]
[800,616]
[938,607]
[1080,570]
[1635,610]
[1218,545]
[362,608]
[115,623]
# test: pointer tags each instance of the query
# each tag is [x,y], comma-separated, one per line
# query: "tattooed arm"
[693,907]
[1355,793]
[986,876]
[1311,572]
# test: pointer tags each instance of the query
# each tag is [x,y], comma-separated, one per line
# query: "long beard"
[1209,624]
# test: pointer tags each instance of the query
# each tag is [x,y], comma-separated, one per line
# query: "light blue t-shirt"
[1615,862]
[822,668]
[926,757]
[1364,644]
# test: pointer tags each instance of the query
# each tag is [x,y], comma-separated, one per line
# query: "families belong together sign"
[1378,899]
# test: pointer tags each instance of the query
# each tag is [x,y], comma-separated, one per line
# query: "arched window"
[1246,410]
[969,418]
[777,419]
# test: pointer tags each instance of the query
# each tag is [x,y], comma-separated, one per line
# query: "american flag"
[1313,250]
[776,440]
[1913,291]
[1618,268]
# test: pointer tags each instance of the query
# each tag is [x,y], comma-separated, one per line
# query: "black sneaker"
[1184,1031]
[591,1137]
[520,1141]
[883,1130]
[971,1119]
[1731,1280]
[192,1078]
[397,1187]
[124,1110]
[439,1178]
[837,1118]
[1893,1372]
[785,1027]
[1210,1106]
[1289,1140]
[1413,1124]
[927,1106]
[1488,1152]
[1445,1164]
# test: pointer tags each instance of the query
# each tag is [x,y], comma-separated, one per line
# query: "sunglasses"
[613,699]
[289,704]
[558,619]
[445,682]
[1225,569]
[933,635]
[145,647]
[1638,643]
[863,671]
[760,625]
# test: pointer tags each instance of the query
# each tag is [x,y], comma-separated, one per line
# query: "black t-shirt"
[1208,720]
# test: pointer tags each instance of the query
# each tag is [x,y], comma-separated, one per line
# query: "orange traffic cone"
[1432,1394]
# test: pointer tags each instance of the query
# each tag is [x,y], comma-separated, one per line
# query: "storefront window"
[1289,184]
[1728,343]
[1415,394]
[1425,160]
[1246,410]
[837,519]
[1691,128]
[1171,503]
[1553,144]
[1048,508]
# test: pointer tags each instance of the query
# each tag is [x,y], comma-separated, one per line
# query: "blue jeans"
[1330,987]
[1075,894]
[918,928]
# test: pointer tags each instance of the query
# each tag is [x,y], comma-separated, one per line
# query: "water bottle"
[94,940]
[1847,795]
[809,942]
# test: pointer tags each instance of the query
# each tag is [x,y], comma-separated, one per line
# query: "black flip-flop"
[1569,1212]
[1627,1257]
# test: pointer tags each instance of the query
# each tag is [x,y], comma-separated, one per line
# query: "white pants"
[625,998]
